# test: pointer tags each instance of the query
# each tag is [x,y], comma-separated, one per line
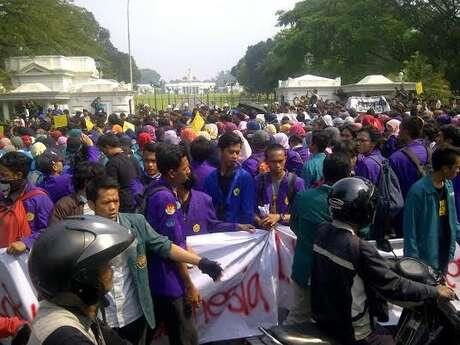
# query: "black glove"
[22,336]
[211,268]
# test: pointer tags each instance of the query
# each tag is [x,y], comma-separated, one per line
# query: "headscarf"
[328,120]
[205,135]
[55,134]
[349,120]
[285,128]
[456,120]
[270,129]
[393,127]
[188,135]
[27,140]
[170,137]
[4,142]
[212,129]
[37,149]
[117,129]
[143,138]
[246,150]
[297,129]
[282,139]
[74,132]
[229,127]
[151,130]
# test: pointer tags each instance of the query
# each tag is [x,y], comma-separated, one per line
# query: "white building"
[376,85]
[297,87]
[192,87]
[71,82]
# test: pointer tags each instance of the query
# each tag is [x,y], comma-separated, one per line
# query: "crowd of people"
[188,171]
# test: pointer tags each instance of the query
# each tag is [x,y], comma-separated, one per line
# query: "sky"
[172,36]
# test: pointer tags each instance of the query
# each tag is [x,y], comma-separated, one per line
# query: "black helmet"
[68,256]
[353,200]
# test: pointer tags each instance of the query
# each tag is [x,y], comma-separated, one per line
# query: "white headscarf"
[282,139]
[246,150]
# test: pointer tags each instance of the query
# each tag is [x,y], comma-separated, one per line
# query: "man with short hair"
[24,209]
[131,310]
[151,174]
[277,189]
[122,168]
[200,150]
[255,164]
[309,210]
[231,187]
[430,217]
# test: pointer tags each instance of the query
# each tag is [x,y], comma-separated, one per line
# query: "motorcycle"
[424,323]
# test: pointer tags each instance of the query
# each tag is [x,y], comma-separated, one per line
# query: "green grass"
[161,101]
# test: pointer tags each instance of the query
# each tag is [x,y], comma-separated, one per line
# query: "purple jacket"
[456,185]
[368,166]
[165,215]
[93,154]
[294,162]
[265,191]
[303,152]
[39,210]
[57,187]
[200,218]
[251,165]
[404,168]
[201,171]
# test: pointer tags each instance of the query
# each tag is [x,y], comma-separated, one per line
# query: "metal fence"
[160,101]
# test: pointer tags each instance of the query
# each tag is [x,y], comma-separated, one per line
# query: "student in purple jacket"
[173,292]
[369,158]
[200,150]
[259,141]
[411,132]
[57,183]
[276,189]
[199,213]
[14,168]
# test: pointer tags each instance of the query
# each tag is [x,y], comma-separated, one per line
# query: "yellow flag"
[2,131]
[60,121]
[89,124]
[128,125]
[197,123]
[419,88]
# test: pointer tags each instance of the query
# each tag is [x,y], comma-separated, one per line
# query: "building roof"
[375,79]
[309,80]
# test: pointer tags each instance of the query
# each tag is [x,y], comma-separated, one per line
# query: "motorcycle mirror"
[384,245]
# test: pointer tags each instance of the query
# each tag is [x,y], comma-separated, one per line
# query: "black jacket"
[347,275]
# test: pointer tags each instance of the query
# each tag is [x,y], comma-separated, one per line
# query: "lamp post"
[129,48]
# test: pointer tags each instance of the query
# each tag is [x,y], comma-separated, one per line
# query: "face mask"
[11,186]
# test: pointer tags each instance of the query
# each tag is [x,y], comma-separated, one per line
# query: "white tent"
[375,85]
[296,87]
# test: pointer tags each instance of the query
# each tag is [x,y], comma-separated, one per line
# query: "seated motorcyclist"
[69,266]
[349,277]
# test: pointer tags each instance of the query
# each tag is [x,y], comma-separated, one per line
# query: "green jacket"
[310,209]
[422,223]
[148,240]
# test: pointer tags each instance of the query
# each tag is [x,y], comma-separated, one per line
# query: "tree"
[57,27]
[149,76]
[224,78]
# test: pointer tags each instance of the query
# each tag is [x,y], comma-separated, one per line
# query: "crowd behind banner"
[187,171]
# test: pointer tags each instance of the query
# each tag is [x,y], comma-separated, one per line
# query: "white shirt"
[124,307]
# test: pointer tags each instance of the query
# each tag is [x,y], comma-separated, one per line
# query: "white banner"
[363,104]
[255,282]
[17,297]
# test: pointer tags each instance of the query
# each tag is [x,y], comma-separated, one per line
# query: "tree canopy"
[353,38]
[58,27]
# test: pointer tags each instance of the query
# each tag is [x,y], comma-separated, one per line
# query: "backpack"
[13,219]
[422,170]
[291,187]
[390,197]
[142,199]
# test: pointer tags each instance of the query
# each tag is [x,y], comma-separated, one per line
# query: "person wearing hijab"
[212,129]
[187,135]
[170,137]
[294,162]
[270,129]
[391,144]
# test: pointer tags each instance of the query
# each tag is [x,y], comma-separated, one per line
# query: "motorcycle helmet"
[69,255]
[353,200]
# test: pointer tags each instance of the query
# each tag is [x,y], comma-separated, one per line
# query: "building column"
[6,111]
